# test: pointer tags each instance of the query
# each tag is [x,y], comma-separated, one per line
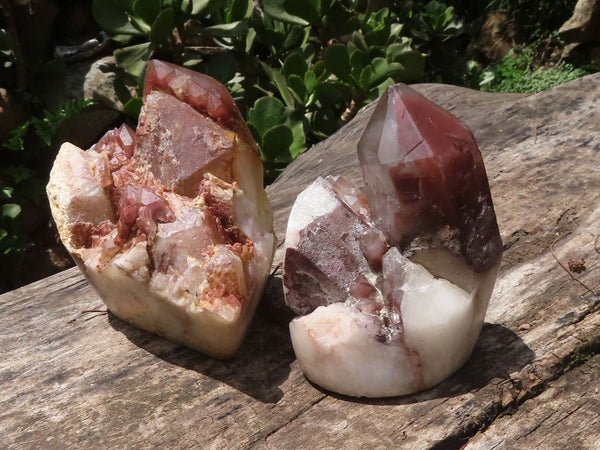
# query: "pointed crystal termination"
[425,179]
[171,224]
[393,286]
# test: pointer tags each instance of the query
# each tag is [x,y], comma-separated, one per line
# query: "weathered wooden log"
[73,379]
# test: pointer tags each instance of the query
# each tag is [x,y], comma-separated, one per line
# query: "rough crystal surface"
[393,284]
[327,257]
[171,223]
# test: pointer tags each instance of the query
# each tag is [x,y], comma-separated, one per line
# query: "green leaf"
[297,85]
[320,71]
[396,29]
[241,9]
[294,64]
[6,192]
[333,92]
[126,5]
[123,39]
[380,70]
[380,89]
[359,41]
[358,60]
[113,18]
[284,90]
[447,15]
[191,59]
[148,10]
[6,42]
[303,9]
[162,27]
[339,18]
[221,66]
[266,113]
[324,123]
[276,10]
[337,61]
[233,29]
[377,37]
[366,75]
[194,7]
[414,66]
[395,70]
[294,38]
[16,137]
[298,145]
[121,90]
[276,143]
[10,211]
[133,59]
[250,38]
[281,83]
[133,107]
[19,173]
[487,78]
[310,80]
[397,49]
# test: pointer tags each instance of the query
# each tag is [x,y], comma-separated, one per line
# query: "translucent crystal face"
[425,179]
[167,129]
[198,91]
[326,261]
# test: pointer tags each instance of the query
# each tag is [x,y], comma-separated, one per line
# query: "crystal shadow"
[259,367]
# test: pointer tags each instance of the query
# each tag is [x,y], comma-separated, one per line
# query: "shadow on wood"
[258,369]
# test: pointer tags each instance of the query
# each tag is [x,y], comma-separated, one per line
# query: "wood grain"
[564,415]
[79,380]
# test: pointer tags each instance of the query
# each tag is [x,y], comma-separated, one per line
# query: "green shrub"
[298,70]
[516,73]
[22,179]
[536,18]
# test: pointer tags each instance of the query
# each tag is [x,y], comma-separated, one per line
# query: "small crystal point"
[393,284]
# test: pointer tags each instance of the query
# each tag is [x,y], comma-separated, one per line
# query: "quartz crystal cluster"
[171,223]
[392,284]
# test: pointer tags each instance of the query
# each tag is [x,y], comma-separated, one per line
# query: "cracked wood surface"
[78,380]
[565,415]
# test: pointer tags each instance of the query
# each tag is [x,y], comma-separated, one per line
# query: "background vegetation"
[298,70]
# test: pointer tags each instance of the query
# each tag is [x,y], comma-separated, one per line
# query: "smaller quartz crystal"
[392,285]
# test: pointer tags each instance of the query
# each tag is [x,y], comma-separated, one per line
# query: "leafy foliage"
[537,18]
[310,66]
[298,69]
[516,73]
[19,181]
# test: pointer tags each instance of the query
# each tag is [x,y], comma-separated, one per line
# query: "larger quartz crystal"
[171,224]
[392,285]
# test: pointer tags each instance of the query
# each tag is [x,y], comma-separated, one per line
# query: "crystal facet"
[393,284]
[425,179]
[171,223]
